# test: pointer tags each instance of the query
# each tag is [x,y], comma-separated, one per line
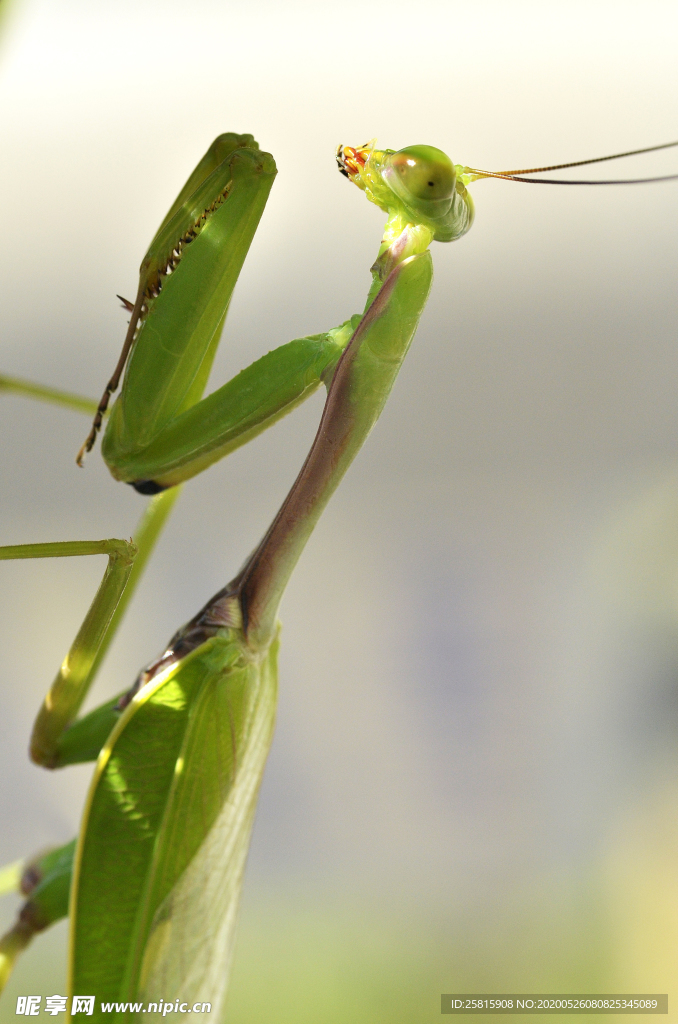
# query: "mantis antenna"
[515,174]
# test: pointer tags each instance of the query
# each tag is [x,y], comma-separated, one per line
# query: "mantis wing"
[164,841]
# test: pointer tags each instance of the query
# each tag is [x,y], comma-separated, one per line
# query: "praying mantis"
[152,884]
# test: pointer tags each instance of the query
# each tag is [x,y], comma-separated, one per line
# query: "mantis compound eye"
[423,179]
[424,172]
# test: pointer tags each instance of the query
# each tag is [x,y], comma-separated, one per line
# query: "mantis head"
[417,185]
[422,190]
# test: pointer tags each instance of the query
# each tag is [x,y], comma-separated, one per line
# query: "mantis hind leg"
[19,386]
[75,675]
[46,882]
[57,738]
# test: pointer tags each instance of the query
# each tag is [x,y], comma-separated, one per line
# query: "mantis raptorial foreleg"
[228,418]
[160,430]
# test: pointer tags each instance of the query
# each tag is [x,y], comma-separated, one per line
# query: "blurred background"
[474,781]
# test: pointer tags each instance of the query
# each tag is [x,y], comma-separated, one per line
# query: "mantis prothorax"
[155,876]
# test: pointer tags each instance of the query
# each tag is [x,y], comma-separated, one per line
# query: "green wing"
[163,845]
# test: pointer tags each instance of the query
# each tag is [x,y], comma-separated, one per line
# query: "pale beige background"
[475,775]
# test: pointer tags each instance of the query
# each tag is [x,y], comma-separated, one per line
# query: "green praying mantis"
[152,883]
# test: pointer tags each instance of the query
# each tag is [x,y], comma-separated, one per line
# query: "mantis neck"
[360,386]
[400,241]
